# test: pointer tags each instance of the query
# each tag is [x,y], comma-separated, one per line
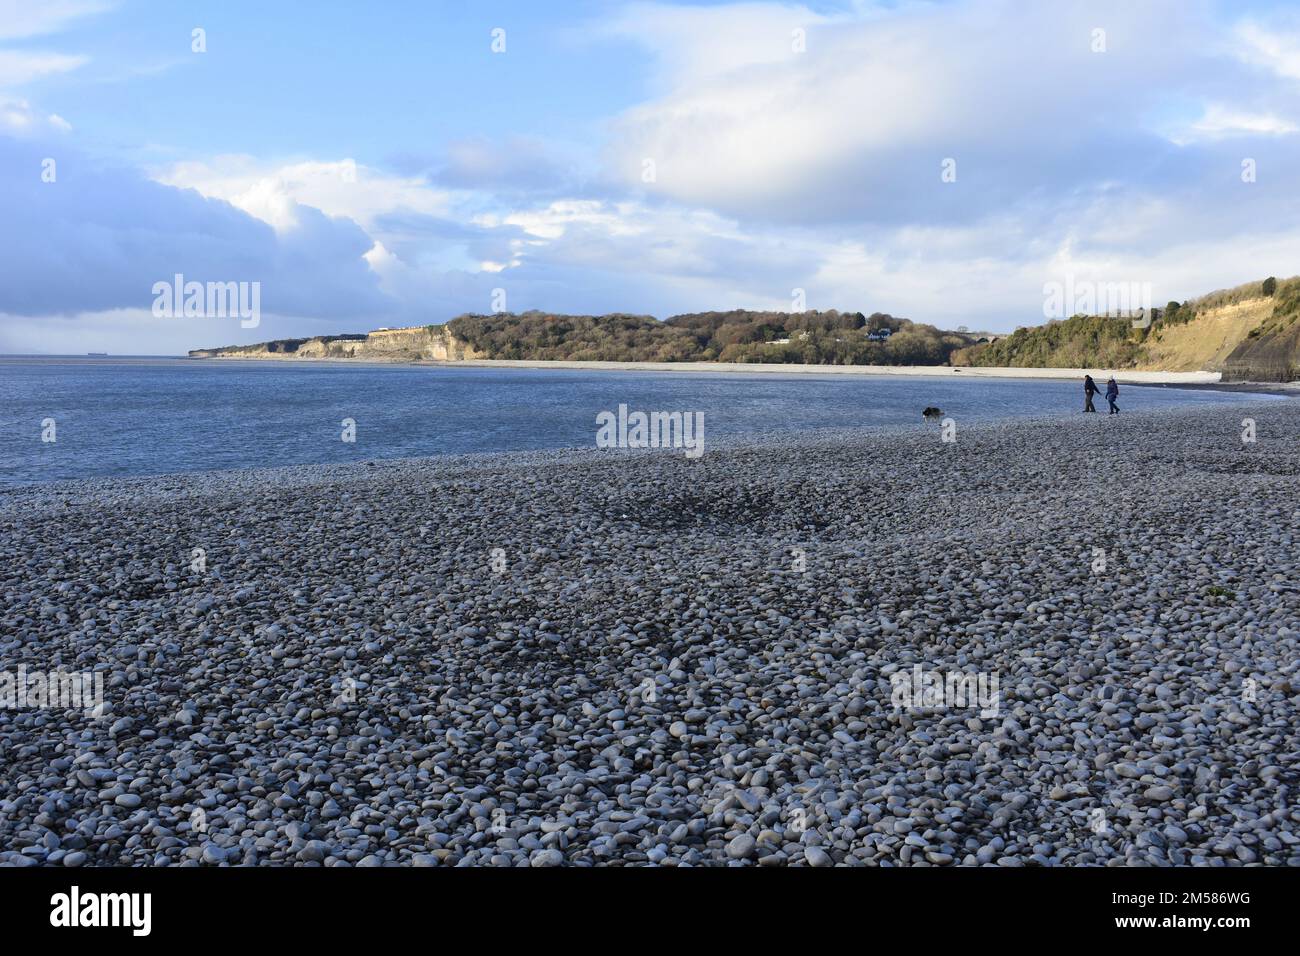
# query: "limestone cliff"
[421,342]
[1247,333]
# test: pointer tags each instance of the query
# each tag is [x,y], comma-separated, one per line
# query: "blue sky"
[372,82]
[380,164]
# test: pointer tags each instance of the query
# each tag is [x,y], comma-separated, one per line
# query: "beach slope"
[626,658]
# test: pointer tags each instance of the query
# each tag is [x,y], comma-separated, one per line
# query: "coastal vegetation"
[1084,341]
[1251,331]
[816,338]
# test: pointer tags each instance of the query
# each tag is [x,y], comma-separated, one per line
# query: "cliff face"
[424,342]
[1272,356]
[1270,351]
[1245,333]
[1206,341]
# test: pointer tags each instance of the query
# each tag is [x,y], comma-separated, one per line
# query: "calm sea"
[117,416]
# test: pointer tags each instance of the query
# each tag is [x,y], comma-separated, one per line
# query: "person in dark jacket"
[1089,389]
[1112,393]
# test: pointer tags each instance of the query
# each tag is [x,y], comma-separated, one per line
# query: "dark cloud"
[99,237]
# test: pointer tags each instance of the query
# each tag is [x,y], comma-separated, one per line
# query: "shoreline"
[487,634]
[761,368]
[1284,389]
[477,460]
[1193,380]
[758,368]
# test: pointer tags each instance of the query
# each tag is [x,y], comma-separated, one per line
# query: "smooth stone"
[741,847]
[816,856]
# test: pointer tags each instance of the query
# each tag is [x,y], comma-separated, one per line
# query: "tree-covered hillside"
[830,338]
[1084,341]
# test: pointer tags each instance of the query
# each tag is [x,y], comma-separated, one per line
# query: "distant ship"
[96,355]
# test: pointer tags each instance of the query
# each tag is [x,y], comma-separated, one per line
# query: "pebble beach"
[621,657]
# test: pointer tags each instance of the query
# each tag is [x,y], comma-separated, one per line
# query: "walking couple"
[1090,389]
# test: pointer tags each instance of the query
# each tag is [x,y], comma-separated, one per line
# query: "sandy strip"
[1124,375]
[757,368]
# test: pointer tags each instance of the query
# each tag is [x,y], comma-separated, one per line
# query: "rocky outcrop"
[418,343]
[1270,352]
[1271,356]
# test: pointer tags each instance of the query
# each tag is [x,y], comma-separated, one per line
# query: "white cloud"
[28,18]
[18,118]
[1219,122]
[857,126]
[1273,49]
[551,221]
[274,193]
[702,42]
[22,66]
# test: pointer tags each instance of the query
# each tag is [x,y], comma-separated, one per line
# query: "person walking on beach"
[1112,393]
[1089,389]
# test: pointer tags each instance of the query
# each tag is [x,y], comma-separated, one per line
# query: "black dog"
[931,412]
